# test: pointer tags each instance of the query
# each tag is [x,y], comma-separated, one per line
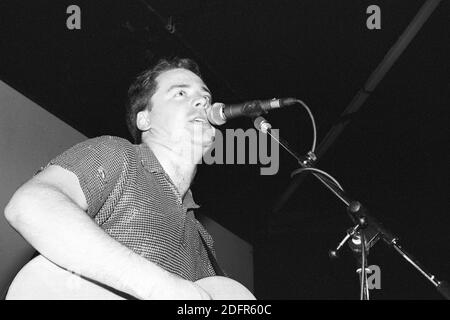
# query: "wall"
[234,255]
[29,137]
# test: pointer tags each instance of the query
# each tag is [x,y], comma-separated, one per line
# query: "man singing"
[121,214]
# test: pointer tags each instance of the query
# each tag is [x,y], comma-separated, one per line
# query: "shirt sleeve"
[100,165]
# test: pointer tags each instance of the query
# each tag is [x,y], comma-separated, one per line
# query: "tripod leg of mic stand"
[363,280]
[364,295]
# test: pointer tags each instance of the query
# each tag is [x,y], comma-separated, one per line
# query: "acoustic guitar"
[40,279]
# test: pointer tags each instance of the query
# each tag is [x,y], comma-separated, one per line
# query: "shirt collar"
[189,202]
[151,163]
[149,160]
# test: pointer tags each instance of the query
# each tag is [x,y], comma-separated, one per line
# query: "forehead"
[177,76]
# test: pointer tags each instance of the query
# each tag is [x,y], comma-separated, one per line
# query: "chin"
[205,143]
[208,146]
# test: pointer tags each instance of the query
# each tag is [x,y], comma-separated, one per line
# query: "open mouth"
[201,121]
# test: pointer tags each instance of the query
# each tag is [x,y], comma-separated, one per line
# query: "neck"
[176,162]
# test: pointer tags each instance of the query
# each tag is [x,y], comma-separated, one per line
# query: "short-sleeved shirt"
[131,198]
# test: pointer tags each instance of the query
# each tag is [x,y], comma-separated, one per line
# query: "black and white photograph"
[251,151]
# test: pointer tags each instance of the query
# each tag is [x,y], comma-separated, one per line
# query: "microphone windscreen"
[215,114]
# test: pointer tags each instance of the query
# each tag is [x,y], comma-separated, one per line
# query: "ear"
[143,120]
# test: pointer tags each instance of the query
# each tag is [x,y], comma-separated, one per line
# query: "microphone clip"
[309,159]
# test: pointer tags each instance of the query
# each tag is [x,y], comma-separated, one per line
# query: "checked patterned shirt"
[132,199]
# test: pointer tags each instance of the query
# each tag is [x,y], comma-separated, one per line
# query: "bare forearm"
[62,232]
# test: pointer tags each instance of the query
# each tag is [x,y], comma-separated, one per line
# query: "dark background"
[392,157]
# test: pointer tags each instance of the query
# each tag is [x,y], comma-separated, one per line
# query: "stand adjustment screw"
[333,254]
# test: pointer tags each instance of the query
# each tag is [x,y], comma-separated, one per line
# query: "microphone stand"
[367,230]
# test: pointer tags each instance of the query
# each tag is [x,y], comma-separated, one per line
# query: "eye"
[180,93]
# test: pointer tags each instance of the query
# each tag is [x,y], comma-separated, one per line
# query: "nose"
[202,102]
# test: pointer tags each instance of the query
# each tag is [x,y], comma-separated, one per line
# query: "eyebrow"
[183,85]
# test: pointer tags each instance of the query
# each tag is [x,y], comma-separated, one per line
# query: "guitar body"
[40,279]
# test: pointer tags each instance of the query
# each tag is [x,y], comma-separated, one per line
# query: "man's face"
[179,107]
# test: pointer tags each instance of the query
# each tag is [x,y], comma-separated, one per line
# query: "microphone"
[220,113]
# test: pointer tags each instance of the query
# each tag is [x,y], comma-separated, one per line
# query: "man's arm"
[49,212]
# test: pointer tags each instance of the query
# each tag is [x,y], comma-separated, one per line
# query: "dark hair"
[144,87]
